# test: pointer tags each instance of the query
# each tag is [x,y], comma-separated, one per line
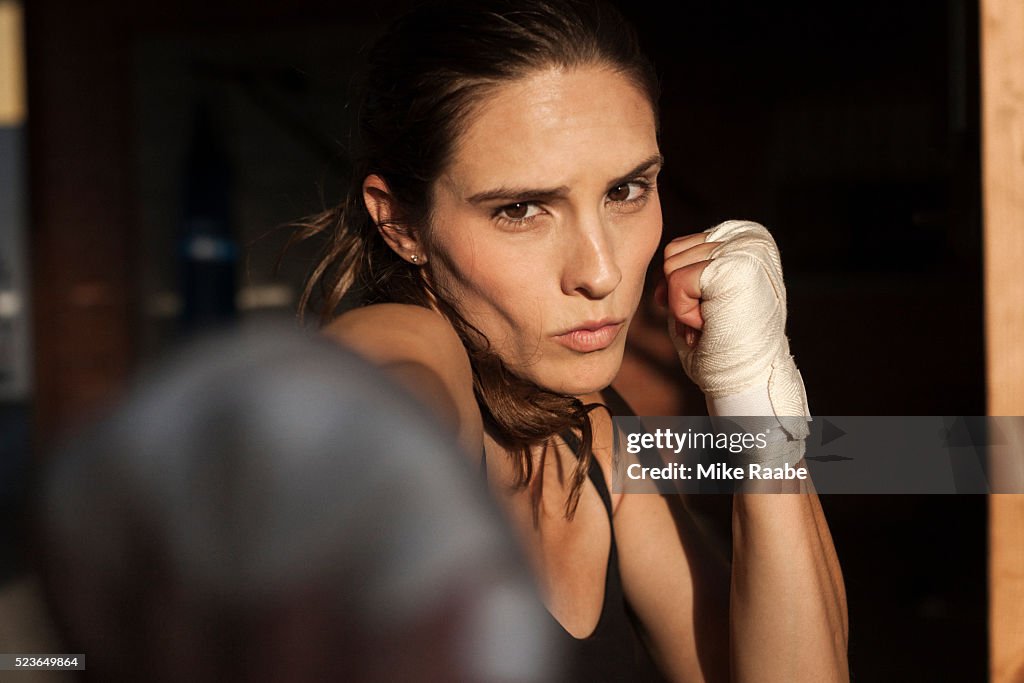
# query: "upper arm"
[420,349]
[678,585]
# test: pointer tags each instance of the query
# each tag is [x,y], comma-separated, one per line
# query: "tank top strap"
[597,477]
[616,404]
[594,472]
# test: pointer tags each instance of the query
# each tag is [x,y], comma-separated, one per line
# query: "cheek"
[653,228]
[456,260]
[641,244]
[491,295]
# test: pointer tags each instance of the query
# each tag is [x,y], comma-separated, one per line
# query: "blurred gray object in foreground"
[268,507]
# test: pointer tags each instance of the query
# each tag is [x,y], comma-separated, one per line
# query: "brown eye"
[619,193]
[520,212]
[628,192]
[516,211]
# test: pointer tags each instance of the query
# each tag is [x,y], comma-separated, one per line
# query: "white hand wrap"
[742,361]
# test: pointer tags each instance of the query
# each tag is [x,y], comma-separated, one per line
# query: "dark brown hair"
[423,78]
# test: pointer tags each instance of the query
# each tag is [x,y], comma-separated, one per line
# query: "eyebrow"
[560,192]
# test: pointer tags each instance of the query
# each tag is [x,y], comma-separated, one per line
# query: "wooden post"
[1002,82]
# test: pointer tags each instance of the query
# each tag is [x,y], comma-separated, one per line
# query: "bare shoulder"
[394,332]
[422,350]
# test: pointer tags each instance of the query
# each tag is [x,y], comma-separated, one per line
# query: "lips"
[591,336]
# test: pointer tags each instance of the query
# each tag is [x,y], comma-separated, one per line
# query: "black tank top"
[614,651]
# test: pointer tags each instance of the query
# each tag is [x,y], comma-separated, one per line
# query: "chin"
[585,378]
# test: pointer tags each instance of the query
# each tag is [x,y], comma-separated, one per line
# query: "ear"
[384,210]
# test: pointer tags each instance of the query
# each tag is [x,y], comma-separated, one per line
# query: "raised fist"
[727,319]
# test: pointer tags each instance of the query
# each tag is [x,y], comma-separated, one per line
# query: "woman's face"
[544,222]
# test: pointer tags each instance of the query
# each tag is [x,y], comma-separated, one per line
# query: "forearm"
[788,619]
[787,610]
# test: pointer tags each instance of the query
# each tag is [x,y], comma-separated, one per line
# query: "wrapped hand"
[727,319]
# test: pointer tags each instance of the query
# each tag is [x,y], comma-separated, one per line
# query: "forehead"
[554,127]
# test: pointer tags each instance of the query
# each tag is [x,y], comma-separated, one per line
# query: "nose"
[591,267]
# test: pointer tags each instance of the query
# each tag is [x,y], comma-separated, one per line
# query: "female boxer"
[502,215]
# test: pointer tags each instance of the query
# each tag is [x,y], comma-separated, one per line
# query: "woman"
[497,233]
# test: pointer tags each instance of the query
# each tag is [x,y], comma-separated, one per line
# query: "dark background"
[849,129]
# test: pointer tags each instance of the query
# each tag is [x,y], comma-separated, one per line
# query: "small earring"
[415,258]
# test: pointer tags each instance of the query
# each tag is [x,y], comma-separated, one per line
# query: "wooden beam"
[1002,79]
[12,67]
